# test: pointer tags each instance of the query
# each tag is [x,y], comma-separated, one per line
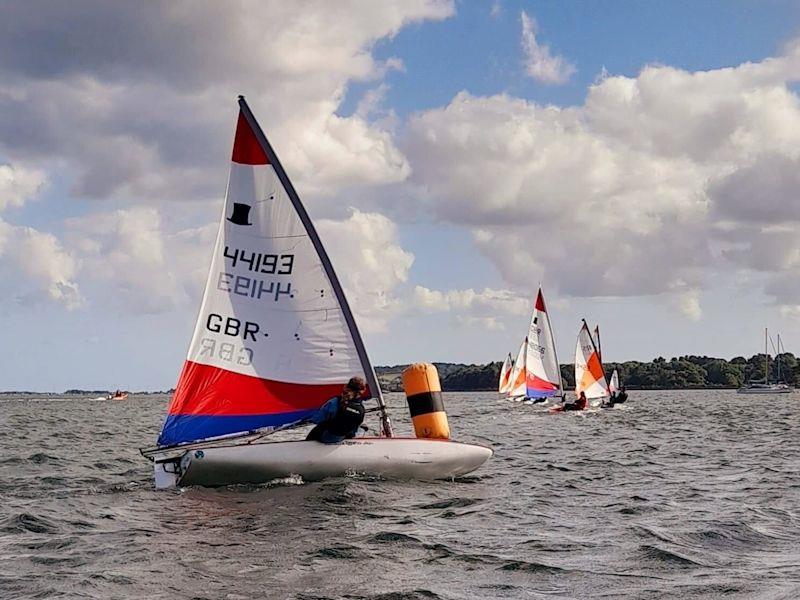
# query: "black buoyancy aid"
[349,416]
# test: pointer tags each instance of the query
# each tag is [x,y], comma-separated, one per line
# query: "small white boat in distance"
[765,387]
[274,340]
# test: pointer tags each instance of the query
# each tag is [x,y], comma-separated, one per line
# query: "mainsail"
[613,384]
[543,377]
[504,384]
[589,376]
[275,337]
[517,387]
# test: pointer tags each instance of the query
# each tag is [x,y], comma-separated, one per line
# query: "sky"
[639,160]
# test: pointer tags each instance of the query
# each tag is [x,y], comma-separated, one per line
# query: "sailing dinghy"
[589,375]
[613,383]
[543,375]
[504,385]
[274,340]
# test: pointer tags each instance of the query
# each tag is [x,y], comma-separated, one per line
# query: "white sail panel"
[613,384]
[267,295]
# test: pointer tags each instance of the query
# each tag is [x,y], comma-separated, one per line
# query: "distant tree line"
[685,372]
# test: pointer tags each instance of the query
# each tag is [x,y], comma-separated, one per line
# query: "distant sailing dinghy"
[274,340]
[543,375]
[589,375]
[613,383]
[504,384]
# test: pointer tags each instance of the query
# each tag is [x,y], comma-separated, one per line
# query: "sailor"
[621,396]
[341,416]
[580,404]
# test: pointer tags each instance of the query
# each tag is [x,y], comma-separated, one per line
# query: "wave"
[26,522]
[662,555]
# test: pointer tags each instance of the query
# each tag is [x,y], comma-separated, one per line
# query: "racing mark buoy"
[424,396]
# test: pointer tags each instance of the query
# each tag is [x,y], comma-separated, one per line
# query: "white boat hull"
[390,458]
[765,390]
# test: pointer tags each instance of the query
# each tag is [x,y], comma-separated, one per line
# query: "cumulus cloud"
[19,184]
[371,264]
[37,264]
[540,64]
[642,190]
[546,197]
[688,304]
[136,264]
[483,309]
[489,300]
[140,102]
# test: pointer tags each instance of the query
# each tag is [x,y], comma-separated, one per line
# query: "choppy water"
[676,495]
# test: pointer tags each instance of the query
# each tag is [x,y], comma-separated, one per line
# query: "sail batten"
[275,337]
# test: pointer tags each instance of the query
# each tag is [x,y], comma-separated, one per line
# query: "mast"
[369,371]
[766,357]
[597,341]
[555,354]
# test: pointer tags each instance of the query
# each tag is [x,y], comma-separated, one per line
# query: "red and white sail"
[543,375]
[518,387]
[589,376]
[274,338]
[504,384]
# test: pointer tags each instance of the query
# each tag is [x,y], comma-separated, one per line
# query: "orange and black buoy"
[424,396]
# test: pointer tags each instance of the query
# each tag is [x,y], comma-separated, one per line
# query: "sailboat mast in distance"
[766,356]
